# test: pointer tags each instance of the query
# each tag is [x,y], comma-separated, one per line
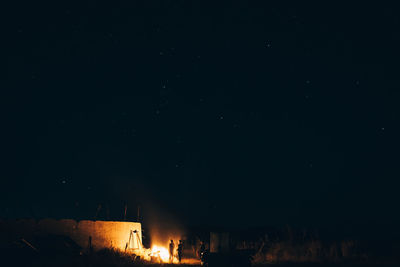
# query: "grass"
[115,258]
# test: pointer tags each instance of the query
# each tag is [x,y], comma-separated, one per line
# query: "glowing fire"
[160,252]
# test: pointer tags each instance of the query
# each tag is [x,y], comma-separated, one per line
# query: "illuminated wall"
[219,242]
[104,234]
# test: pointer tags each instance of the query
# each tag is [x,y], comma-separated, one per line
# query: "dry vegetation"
[279,248]
[306,247]
[114,258]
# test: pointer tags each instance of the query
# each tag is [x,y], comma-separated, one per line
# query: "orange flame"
[160,252]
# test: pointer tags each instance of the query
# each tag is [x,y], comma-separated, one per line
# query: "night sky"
[236,113]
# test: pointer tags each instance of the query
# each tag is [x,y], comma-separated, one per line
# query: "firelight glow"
[161,252]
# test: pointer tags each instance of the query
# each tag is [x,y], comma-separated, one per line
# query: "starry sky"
[238,112]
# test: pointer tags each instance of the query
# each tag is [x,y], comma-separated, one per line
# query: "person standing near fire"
[202,249]
[180,250]
[171,251]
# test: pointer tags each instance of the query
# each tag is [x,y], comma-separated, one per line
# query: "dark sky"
[250,113]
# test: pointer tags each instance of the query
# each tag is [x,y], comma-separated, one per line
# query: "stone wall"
[104,234]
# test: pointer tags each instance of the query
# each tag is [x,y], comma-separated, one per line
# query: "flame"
[160,252]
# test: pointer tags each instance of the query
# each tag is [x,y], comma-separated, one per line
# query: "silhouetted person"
[202,249]
[204,258]
[180,250]
[171,251]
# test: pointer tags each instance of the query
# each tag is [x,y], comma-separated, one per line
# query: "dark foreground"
[110,258]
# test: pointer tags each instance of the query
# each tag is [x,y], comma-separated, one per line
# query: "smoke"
[162,226]
[150,207]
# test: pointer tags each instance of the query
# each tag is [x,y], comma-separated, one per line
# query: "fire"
[160,252]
